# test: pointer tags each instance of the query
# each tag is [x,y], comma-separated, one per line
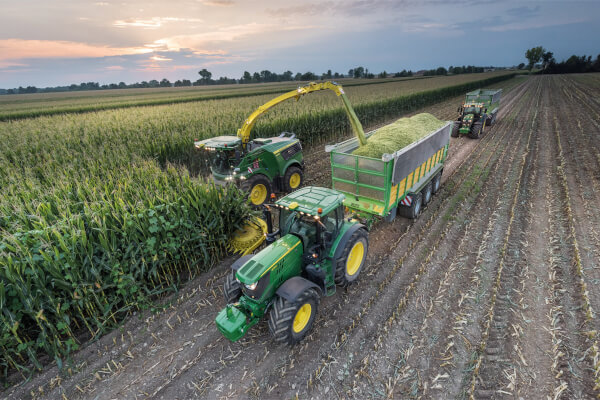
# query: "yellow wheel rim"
[258,194]
[302,317]
[355,258]
[295,180]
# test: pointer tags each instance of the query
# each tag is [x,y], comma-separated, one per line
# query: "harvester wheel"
[232,288]
[353,258]
[476,130]
[289,322]
[259,190]
[427,192]
[293,179]
[414,209]
[455,127]
[437,182]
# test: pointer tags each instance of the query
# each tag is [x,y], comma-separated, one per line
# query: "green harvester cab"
[266,165]
[314,249]
[479,110]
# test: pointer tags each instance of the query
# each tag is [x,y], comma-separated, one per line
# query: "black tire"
[427,193]
[488,120]
[436,182]
[292,172]
[345,274]
[252,184]
[283,313]
[493,121]
[414,210]
[476,130]
[232,289]
[455,126]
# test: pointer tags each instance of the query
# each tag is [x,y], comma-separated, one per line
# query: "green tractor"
[314,249]
[479,109]
[265,165]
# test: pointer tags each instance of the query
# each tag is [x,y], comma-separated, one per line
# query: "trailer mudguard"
[241,261]
[341,244]
[294,287]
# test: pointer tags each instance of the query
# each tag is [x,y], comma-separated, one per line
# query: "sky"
[59,42]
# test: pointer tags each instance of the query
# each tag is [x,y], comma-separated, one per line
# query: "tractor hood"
[218,142]
[269,258]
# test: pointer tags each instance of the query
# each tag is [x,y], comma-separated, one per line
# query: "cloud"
[11,64]
[199,42]
[160,58]
[114,68]
[519,26]
[102,4]
[14,49]
[217,3]
[152,23]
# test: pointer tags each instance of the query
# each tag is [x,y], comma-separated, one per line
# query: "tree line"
[545,61]
[264,76]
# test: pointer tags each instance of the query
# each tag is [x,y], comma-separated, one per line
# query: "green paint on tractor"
[307,260]
[479,109]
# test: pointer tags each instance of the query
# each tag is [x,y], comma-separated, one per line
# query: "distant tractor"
[317,249]
[479,109]
[265,165]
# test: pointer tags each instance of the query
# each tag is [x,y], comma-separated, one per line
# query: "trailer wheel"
[437,182]
[493,121]
[476,130]
[455,127]
[232,289]
[292,179]
[353,258]
[259,189]
[289,322]
[427,193]
[414,209]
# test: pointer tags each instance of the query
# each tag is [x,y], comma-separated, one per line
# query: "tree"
[246,78]
[165,83]
[205,76]
[547,58]
[521,66]
[384,74]
[534,55]
[441,71]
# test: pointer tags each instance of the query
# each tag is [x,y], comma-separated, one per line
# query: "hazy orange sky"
[58,42]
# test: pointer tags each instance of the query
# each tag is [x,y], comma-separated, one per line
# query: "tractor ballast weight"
[317,249]
[479,110]
[262,166]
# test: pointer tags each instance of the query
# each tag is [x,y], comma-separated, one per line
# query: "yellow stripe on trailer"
[393,194]
[402,187]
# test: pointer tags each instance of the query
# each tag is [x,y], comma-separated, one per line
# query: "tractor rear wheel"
[232,288]
[427,193]
[292,179]
[289,322]
[413,211]
[455,127]
[259,189]
[476,130]
[353,258]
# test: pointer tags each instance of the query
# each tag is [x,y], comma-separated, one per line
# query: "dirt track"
[490,293]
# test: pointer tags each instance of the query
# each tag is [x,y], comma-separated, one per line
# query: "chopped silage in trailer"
[399,134]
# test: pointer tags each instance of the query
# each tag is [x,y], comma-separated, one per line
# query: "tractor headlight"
[252,286]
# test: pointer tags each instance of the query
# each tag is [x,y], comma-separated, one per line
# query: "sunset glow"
[66,41]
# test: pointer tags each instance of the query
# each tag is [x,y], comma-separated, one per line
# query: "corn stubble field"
[491,293]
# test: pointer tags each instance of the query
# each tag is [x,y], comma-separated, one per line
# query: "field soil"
[490,293]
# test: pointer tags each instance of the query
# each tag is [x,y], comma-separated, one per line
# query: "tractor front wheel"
[455,127]
[476,130]
[259,189]
[289,322]
[293,178]
[353,258]
[232,290]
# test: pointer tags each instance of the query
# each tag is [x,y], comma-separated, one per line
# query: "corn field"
[101,212]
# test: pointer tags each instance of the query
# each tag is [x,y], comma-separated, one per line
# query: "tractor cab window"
[332,223]
[300,225]
[221,161]
[471,110]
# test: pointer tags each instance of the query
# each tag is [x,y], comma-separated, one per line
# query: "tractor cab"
[315,216]
[222,153]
